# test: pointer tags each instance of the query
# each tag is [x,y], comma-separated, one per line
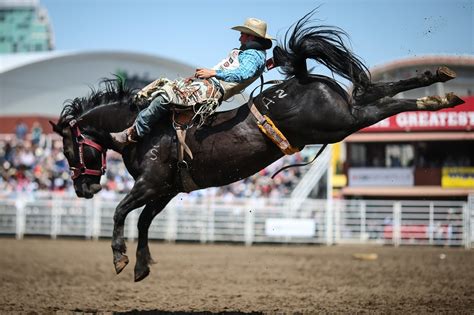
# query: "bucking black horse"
[306,108]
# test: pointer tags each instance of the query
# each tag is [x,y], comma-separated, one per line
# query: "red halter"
[80,140]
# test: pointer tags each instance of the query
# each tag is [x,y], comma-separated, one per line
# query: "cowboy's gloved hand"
[205,73]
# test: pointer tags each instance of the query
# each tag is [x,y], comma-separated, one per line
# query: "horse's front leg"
[144,259]
[377,91]
[140,194]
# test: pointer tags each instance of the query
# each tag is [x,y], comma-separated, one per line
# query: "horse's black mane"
[110,91]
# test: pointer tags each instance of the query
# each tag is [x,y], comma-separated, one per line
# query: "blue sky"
[198,32]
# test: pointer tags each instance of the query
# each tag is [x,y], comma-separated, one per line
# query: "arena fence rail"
[249,221]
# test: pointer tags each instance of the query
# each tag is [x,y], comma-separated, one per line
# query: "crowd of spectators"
[31,161]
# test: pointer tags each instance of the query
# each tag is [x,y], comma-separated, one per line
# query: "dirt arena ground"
[75,276]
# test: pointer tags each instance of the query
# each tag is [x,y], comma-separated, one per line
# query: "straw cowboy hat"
[255,27]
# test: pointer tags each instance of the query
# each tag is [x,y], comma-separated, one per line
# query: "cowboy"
[228,78]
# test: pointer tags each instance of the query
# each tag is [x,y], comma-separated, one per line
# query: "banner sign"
[290,227]
[459,118]
[457,177]
[381,177]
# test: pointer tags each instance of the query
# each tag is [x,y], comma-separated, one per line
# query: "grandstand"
[33,171]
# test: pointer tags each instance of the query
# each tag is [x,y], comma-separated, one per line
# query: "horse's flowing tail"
[323,44]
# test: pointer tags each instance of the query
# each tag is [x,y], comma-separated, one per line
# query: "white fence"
[251,220]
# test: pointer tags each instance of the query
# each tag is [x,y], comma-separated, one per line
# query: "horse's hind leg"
[386,107]
[382,89]
[137,197]
[144,259]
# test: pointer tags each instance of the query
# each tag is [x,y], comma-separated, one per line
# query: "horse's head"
[86,158]
[85,124]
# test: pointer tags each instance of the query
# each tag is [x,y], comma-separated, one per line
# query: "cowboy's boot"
[126,136]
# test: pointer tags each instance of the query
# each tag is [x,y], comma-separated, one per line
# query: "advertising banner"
[381,177]
[290,227]
[457,177]
[459,118]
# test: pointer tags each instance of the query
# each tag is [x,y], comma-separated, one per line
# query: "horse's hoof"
[121,263]
[142,274]
[445,74]
[454,100]
[430,103]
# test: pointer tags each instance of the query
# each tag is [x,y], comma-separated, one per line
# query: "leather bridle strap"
[80,168]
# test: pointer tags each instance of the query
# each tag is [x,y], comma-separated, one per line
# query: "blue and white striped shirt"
[251,62]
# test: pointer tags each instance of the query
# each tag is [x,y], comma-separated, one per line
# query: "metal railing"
[249,221]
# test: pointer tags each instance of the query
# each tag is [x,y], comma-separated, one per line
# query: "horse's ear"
[55,128]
